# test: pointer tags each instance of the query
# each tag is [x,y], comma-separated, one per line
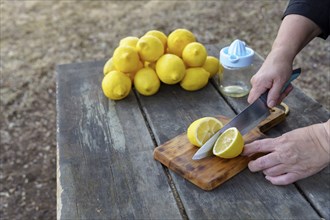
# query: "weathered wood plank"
[304,111]
[247,195]
[317,189]
[85,190]
[106,168]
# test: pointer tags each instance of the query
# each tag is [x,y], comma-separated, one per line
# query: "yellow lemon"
[150,48]
[170,69]
[167,50]
[194,54]
[212,65]
[129,41]
[152,65]
[178,39]
[195,79]
[203,129]
[146,81]
[230,144]
[126,59]
[132,74]
[108,67]
[116,85]
[160,35]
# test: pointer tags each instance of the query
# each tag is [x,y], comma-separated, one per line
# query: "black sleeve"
[316,10]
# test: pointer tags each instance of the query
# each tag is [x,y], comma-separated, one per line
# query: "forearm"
[295,33]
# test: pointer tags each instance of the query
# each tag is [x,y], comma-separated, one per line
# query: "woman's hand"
[294,34]
[292,156]
[272,75]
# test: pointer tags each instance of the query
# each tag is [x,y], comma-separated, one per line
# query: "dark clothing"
[316,10]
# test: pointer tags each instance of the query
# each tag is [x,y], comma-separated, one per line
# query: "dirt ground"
[38,35]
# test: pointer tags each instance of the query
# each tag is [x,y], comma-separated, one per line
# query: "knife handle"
[295,73]
[277,116]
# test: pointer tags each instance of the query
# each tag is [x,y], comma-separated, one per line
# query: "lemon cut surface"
[202,129]
[229,145]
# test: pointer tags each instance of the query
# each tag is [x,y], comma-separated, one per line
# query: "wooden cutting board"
[210,172]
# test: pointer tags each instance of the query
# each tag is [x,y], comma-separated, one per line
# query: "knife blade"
[245,121]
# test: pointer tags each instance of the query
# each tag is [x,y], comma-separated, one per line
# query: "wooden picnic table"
[106,168]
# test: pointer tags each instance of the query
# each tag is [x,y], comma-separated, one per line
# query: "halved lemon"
[202,129]
[230,144]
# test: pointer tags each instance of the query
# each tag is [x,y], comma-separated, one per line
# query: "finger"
[276,170]
[264,162]
[284,179]
[285,93]
[262,146]
[254,94]
[274,94]
[256,91]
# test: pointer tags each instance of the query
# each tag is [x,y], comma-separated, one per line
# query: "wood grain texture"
[304,111]
[106,168]
[247,195]
[209,172]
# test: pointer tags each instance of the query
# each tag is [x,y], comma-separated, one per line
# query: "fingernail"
[271,103]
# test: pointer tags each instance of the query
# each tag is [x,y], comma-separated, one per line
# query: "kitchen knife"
[248,119]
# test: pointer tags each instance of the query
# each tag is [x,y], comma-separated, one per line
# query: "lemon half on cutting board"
[230,144]
[202,129]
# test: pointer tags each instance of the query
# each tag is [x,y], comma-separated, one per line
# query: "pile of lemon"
[154,58]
